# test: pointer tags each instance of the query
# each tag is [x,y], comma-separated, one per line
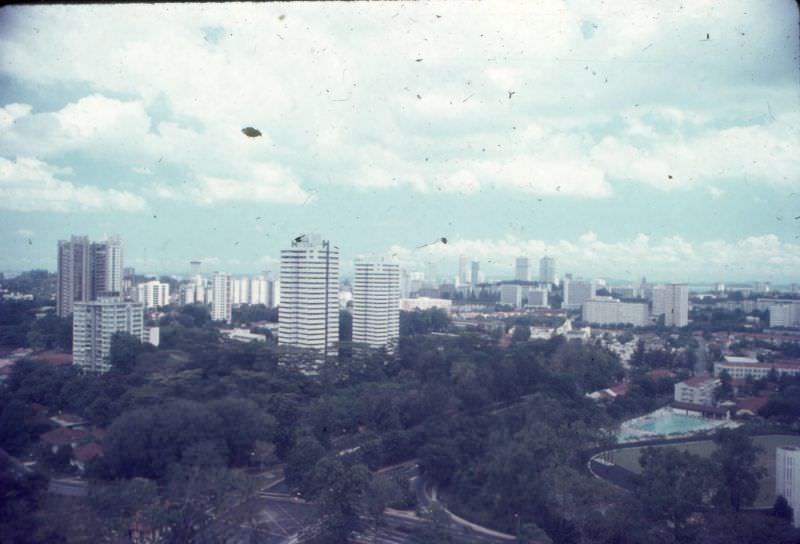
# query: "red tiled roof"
[660,373]
[63,436]
[619,389]
[55,357]
[752,404]
[87,452]
[699,379]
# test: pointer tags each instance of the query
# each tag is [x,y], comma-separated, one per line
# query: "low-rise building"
[697,390]
[757,370]
[425,303]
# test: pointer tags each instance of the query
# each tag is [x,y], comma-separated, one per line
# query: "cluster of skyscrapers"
[104,298]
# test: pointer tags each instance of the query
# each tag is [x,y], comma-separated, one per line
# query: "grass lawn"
[629,458]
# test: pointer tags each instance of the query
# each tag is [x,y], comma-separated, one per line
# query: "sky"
[622,138]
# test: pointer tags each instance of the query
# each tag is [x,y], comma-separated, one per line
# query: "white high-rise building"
[576,292]
[153,294]
[95,322]
[273,292]
[376,304]
[188,294]
[672,301]
[610,311]
[258,290]
[87,270]
[463,270]
[240,290]
[222,297]
[787,479]
[475,274]
[308,314]
[547,269]
[522,269]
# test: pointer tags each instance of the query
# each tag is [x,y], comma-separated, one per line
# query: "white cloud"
[327,104]
[28,184]
[24,233]
[752,257]
[142,170]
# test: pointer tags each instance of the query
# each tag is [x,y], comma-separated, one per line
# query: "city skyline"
[620,142]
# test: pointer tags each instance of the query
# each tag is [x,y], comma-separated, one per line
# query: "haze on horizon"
[620,139]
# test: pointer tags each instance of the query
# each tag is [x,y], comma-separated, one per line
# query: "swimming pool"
[667,423]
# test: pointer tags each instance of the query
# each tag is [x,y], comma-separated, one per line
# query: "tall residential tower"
[308,315]
[376,304]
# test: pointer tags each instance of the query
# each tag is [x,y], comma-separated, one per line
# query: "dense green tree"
[301,461]
[737,469]
[16,431]
[673,485]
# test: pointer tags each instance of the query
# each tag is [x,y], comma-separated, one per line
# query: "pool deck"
[630,431]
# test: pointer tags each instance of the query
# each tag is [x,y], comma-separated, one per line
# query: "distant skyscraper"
[475,274]
[787,479]
[87,270]
[107,267]
[522,270]
[222,297]
[511,295]
[463,271]
[547,269]
[194,267]
[95,322]
[376,304]
[308,314]
[676,305]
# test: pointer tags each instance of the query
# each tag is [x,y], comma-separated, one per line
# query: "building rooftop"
[700,379]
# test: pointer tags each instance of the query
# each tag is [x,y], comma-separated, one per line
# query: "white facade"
[511,295]
[240,290]
[538,298]
[607,311]
[376,307]
[463,271]
[697,390]
[95,322]
[676,305]
[258,290]
[576,292]
[475,273]
[547,269]
[222,298]
[522,269]
[308,314]
[153,294]
[425,303]
[785,314]
[787,479]
[755,369]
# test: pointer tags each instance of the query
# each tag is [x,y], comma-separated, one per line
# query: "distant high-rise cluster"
[87,270]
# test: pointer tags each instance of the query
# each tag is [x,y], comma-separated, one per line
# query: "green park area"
[629,458]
